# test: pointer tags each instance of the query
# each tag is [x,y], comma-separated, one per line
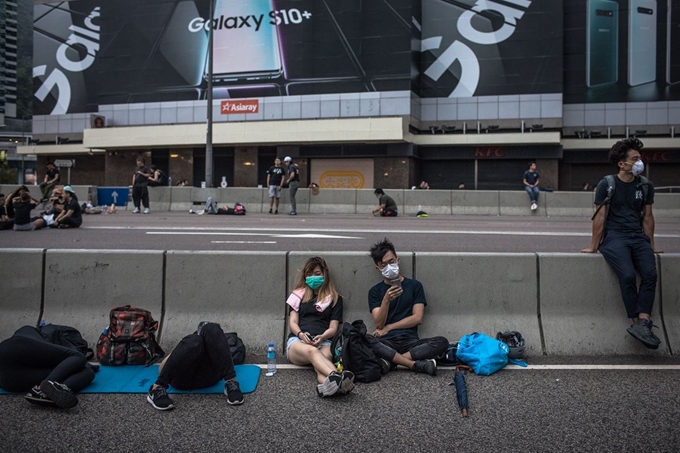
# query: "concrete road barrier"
[669,270]
[160,198]
[519,204]
[480,292]
[333,201]
[475,202]
[21,279]
[666,205]
[354,273]
[582,311]
[225,287]
[431,201]
[82,286]
[577,204]
[181,199]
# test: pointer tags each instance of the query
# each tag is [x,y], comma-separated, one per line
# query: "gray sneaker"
[347,383]
[428,366]
[642,331]
[330,386]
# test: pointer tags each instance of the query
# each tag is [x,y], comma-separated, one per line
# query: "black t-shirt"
[626,204]
[77,210]
[2,211]
[276,175]
[52,173]
[22,212]
[293,168]
[314,322]
[401,307]
[531,177]
[141,180]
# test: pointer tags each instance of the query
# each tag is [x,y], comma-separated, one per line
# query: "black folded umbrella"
[461,392]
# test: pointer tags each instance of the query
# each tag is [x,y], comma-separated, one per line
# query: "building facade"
[381,93]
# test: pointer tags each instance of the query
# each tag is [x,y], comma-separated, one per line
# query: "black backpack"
[237,348]
[351,349]
[66,336]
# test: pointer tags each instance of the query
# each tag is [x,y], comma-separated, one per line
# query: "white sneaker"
[201,212]
[534,206]
[147,210]
[136,211]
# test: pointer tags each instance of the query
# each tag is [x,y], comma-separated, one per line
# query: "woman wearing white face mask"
[624,233]
[315,312]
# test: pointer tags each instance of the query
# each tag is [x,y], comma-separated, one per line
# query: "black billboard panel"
[621,51]
[482,48]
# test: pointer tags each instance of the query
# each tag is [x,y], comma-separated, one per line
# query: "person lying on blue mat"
[200,360]
[52,374]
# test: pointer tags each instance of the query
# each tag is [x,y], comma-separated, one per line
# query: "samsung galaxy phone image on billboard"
[641,42]
[245,43]
[602,42]
[673,42]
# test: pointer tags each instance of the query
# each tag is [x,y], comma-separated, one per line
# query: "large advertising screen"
[92,52]
[95,52]
[485,48]
[622,51]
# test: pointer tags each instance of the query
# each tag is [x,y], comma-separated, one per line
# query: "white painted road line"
[243,242]
[533,367]
[251,231]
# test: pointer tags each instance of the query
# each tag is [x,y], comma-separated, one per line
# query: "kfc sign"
[242,106]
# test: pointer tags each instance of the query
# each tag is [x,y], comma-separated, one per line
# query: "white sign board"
[67,163]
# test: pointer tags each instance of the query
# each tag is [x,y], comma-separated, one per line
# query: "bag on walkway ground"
[129,339]
[485,355]
[351,351]
[237,348]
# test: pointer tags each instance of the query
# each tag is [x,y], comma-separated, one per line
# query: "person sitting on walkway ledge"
[386,204]
[623,231]
[398,304]
[314,314]
[200,360]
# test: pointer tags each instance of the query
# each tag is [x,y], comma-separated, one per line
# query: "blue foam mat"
[137,379]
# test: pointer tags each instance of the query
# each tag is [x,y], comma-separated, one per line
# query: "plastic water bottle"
[170,181]
[106,330]
[420,207]
[271,360]
[42,323]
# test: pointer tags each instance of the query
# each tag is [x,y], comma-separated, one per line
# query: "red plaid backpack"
[129,339]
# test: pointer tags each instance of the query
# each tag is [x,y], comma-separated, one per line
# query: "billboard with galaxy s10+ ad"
[92,52]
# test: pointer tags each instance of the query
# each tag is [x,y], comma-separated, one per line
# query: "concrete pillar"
[120,166]
[549,171]
[245,166]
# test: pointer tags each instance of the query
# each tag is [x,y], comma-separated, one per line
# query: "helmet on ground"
[515,342]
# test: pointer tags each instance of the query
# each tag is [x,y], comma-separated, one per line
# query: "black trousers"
[420,349]
[140,193]
[27,359]
[199,361]
[72,223]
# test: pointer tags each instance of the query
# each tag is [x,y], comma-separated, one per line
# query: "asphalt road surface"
[265,232]
[542,410]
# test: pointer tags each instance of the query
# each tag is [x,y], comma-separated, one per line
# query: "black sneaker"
[233,392]
[386,366]
[330,386]
[428,366]
[276,212]
[642,331]
[37,396]
[159,399]
[62,396]
[347,382]
[270,211]
[200,326]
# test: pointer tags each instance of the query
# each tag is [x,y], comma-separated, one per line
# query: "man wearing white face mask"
[624,233]
[398,304]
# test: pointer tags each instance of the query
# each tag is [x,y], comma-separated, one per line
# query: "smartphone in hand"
[396,282]
[310,337]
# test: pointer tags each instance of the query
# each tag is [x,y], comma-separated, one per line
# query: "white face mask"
[638,167]
[391,271]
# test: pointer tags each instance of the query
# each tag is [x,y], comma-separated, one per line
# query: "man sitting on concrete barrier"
[530,180]
[200,360]
[387,207]
[398,304]
[624,233]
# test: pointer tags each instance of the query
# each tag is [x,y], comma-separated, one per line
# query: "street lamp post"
[209,132]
